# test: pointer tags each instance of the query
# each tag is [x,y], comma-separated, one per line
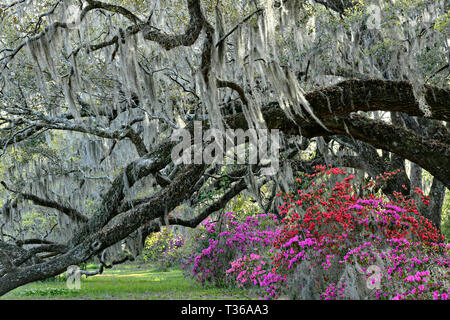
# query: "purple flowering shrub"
[404,270]
[219,243]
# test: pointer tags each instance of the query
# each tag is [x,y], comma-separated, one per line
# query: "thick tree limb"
[190,35]
[432,155]
[116,9]
[374,95]
[333,106]
[56,248]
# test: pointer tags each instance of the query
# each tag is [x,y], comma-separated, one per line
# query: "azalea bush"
[334,238]
[329,241]
[220,242]
[164,248]
[406,270]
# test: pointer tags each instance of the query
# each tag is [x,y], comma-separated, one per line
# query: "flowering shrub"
[324,227]
[221,242]
[409,270]
[331,243]
[164,248]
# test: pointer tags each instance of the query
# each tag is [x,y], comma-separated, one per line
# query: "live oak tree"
[91,92]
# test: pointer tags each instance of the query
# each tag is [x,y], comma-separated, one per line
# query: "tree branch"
[70,212]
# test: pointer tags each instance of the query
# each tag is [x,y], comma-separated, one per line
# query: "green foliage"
[243,204]
[126,282]
[92,267]
[443,23]
[46,292]
[163,248]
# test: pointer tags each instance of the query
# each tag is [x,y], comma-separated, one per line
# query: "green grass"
[127,282]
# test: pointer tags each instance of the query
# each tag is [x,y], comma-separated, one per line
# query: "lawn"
[127,282]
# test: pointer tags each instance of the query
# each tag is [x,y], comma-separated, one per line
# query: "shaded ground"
[127,282]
